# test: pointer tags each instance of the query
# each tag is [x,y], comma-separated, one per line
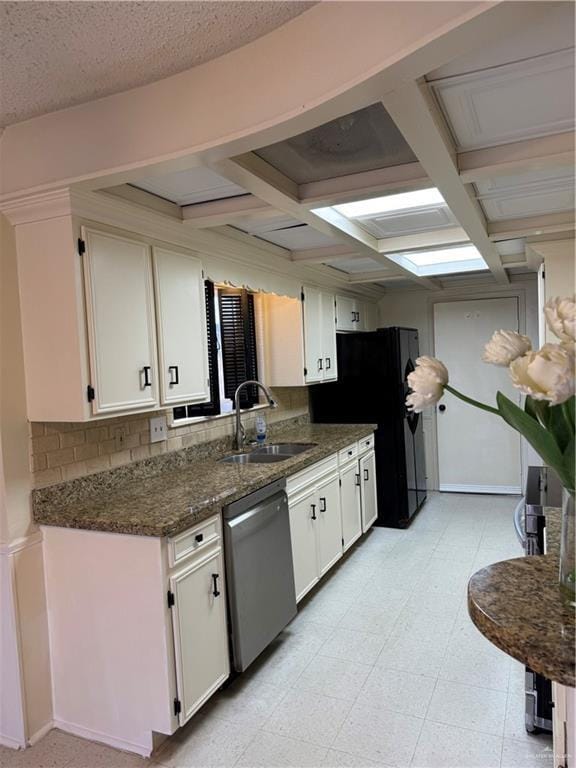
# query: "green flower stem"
[470,401]
[567,413]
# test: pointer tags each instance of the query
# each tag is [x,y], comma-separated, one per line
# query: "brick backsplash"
[63,451]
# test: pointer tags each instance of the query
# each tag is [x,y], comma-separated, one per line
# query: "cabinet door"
[329,527]
[345,314]
[330,364]
[181,320]
[200,631]
[351,504]
[313,353]
[303,521]
[121,330]
[368,486]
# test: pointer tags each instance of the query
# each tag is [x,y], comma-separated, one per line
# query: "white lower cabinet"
[200,632]
[351,504]
[316,531]
[368,489]
[303,517]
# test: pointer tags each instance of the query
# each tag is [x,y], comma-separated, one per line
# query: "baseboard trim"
[104,738]
[7,741]
[40,733]
[495,489]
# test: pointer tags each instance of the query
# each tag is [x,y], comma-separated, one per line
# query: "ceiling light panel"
[441,261]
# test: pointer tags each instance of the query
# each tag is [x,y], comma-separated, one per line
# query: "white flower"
[505,346]
[561,318]
[545,375]
[427,382]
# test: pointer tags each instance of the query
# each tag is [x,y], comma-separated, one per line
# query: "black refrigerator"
[371,389]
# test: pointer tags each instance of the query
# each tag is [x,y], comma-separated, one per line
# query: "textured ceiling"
[57,54]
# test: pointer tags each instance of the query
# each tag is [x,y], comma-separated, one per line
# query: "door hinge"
[342,541]
[340,482]
[177,706]
[90,394]
[171,600]
[81,246]
[302,297]
[305,371]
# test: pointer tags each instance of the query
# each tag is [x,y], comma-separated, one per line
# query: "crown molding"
[37,207]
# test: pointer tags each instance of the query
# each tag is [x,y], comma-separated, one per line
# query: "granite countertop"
[518,606]
[167,503]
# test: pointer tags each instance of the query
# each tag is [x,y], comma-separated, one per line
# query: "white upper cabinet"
[319,336]
[181,323]
[355,315]
[328,323]
[313,338]
[120,318]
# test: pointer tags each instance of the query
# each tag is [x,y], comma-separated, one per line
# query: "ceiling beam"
[413,112]
[548,223]
[546,152]
[262,180]
[421,240]
[364,185]
[375,276]
[322,255]
[230,210]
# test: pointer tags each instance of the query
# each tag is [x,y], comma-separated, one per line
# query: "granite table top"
[168,503]
[518,606]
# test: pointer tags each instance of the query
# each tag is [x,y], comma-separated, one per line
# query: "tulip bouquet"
[545,376]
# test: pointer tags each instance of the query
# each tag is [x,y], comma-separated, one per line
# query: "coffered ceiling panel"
[195,185]
[511,248]
[361,141]
[300,237]
[534,180]
[528,203]
[523,100]
[257,226]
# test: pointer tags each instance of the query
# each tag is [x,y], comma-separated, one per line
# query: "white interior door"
[477,451]
[180,310]
[120,311]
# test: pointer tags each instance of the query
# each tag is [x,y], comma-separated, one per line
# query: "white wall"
[24,654]
[415,309]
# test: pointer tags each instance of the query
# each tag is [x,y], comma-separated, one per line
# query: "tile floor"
[382,667]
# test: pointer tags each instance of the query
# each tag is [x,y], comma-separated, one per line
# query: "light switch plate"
[158,429]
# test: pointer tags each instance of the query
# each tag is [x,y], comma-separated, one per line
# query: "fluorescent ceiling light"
[402,202]
[442,261]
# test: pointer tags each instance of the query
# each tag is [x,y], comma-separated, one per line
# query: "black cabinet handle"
[320,364]
[147,382]
[174,379]
[366,475]
[353,316]
[313,511]
[328,364]
[357,317]
[357,479]
[322,504]
[442,408]
[199,537]
[215,590]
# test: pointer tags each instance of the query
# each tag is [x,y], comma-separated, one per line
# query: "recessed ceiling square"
[361,141]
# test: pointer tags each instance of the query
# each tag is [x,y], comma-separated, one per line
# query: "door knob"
[442,408]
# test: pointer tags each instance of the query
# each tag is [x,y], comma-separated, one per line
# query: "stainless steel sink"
[268,454]
[284,449]
[254,458]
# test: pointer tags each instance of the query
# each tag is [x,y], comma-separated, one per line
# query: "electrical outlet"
[120,434]
[158,429]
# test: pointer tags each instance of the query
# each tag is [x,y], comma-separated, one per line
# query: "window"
[232,357]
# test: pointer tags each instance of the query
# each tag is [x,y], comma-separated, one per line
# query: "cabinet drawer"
[348,453]
[297,482]
[196,539]
[366,443]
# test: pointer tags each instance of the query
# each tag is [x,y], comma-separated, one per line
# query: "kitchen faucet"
[240,435]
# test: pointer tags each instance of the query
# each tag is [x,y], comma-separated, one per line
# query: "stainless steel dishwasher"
[259,571]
